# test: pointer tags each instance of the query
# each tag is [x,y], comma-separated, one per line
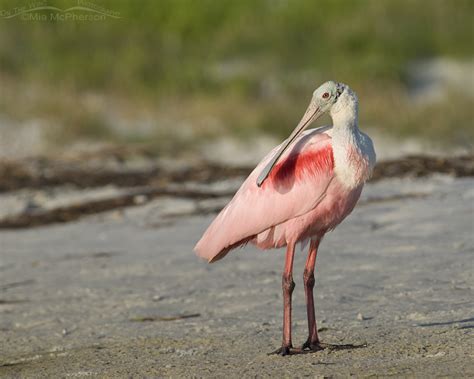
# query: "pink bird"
[301,190]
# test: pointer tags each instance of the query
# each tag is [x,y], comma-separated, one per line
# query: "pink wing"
[295,186]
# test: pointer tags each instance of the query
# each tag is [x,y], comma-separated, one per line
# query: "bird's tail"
[216,254]
[220,237]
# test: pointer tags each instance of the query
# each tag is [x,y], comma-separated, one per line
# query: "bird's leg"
[312,342]
[287,285]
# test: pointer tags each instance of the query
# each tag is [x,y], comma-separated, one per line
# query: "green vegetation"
[248,65]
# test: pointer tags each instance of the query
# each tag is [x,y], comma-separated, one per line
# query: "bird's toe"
[286,350]
[312,346]
[283,350]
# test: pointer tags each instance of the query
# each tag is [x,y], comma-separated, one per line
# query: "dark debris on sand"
[154,178]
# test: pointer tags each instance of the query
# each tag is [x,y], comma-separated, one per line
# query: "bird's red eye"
[325,95]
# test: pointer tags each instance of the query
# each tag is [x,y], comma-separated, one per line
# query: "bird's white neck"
[354,156]
[345,112]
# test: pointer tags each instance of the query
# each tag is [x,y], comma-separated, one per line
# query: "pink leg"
[287,285]
[312,342]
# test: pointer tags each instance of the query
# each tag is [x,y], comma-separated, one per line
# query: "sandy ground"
[122,295]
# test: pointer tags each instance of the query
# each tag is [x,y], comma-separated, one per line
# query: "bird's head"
[329,97]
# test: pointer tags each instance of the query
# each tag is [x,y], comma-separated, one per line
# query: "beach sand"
[121,294]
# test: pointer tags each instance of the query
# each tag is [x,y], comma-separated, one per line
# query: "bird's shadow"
[336,347]
[446,323]
[347,346]
[326,346]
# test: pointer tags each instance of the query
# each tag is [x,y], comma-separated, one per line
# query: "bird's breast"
[352,165]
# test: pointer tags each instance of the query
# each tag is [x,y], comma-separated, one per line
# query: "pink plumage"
[302,189]
[293,189]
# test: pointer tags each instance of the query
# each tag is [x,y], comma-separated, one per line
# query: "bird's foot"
[286,350]
[283,350]
[313,346]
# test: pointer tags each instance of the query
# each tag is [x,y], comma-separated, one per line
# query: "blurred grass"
[239,66]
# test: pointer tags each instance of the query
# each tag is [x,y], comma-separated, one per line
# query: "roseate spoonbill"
[302,189]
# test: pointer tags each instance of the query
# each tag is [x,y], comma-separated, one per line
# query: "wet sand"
[121,294]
